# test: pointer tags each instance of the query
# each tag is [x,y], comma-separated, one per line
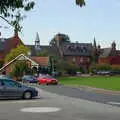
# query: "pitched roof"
[2,43]
[50,49]
[77,49]
[7,44]
[19,57]
[12,43]
[105,52]
[42,61]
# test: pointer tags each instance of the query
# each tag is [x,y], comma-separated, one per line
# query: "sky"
[99,18]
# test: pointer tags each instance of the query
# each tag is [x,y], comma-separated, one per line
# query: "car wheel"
[27,95]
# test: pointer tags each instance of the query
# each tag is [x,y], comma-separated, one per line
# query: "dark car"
[12,89]
[29,79]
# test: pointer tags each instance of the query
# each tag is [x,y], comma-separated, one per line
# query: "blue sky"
[99,18]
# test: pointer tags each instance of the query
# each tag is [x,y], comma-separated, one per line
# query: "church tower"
[37,41]
[113,46]
[94,52]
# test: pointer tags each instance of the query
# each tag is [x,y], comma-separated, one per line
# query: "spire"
[94,42]
[37,40]
[113,45]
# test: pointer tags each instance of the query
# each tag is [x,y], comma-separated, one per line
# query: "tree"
[20,49]
[63,65]
[43,53]
[61,38]
[80,2]
[15,8]
[20,68]
[8,7]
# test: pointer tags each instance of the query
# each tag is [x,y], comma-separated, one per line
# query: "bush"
[100,67]
[64,66]
[20,68]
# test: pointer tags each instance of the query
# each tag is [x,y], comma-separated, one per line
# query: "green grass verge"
[110,83]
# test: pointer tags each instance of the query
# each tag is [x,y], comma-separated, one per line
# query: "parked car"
[12,89]
[29,79]
[115,72]
[103,72]
[46,79]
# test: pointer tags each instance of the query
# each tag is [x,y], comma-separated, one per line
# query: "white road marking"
[114,103]
[19,101]
[40,109]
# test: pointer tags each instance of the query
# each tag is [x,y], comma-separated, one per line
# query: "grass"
[110,83]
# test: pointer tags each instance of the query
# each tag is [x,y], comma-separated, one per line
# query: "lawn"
[111,83]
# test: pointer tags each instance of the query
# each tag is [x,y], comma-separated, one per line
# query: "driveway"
[69,108]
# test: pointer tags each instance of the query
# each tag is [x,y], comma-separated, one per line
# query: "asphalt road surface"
[69,108]
[83,94]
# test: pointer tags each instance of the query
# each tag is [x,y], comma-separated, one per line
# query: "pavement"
[70,107]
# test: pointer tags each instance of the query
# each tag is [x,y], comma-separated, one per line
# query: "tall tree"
[61,38]
[21,49]
[9,8]
[80,2]
[14,10]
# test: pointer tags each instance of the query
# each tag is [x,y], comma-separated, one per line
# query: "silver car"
[10,89]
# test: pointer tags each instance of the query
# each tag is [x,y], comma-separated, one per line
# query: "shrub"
[100,67]
[20,68]
[64,66]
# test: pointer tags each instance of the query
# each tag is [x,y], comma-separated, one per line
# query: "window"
[81,60]
[73,60]
[10,83]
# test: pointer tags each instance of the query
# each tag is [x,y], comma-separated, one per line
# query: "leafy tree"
[20,49]
[63,65]
[43,53]
[62,38]
[8,7]
[15,8]
[80,2]
[19,69]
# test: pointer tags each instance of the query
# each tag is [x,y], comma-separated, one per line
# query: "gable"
[19,57]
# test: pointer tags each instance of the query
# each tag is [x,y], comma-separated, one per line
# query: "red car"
[47,80]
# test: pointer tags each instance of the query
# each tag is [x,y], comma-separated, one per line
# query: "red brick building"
[7,44]
[109,55]
[77,53]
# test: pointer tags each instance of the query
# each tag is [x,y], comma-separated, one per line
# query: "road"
[69,108]
[83,94]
